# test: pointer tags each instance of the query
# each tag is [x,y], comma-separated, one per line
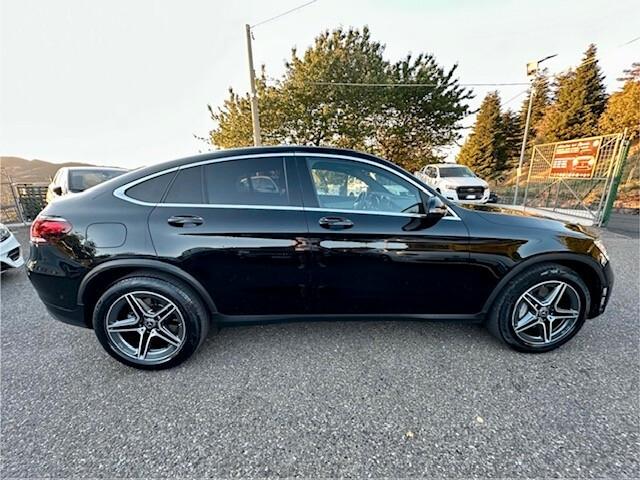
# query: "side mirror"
[57,190]
[436,208]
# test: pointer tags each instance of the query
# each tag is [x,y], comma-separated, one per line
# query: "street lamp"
[532,70]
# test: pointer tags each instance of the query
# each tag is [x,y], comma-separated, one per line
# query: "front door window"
[350,185]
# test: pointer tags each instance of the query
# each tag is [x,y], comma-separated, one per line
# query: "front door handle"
[335,223]
[185,221]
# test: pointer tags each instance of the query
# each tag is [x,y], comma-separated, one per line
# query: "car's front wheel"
[150,322]
[540,309]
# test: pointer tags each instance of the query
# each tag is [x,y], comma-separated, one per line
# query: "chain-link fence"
[574,178]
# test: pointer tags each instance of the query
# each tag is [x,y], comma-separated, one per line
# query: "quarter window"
[151,190]
[252,181]
[349,185]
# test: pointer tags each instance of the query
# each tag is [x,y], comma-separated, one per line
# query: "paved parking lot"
[316,400]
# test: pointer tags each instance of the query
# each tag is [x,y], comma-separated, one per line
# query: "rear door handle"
[185,221]
[335,223]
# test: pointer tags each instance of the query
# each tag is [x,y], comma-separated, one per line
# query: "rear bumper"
[72,317]
[56,282]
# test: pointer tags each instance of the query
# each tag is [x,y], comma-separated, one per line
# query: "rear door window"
[252,181]
[187,187]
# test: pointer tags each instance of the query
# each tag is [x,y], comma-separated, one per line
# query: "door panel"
[378,261]
[249,257]
[377,266]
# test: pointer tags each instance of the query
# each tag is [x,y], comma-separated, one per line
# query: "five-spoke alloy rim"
[546,313]
[146,327]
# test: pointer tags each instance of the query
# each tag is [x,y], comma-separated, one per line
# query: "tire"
[526,329]
[162,321]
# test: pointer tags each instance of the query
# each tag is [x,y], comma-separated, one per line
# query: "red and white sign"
[575,158]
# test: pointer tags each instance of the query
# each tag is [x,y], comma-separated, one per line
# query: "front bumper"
[605,292]
[10,256]
[452,194]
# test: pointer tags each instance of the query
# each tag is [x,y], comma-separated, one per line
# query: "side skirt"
[240,320]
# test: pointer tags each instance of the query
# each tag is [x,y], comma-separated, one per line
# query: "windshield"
[458,171]
[80,180]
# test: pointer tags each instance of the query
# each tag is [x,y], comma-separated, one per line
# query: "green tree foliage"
[541,102]
[484,150]
[311,106]
[623,111]
[512,132]
[580,99]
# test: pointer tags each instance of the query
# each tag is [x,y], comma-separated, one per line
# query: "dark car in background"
[153,259]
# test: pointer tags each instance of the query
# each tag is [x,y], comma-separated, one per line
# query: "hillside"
[22,170]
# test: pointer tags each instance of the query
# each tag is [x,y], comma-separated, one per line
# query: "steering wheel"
[374,201]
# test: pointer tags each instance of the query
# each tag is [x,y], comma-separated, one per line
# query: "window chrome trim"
[120,191]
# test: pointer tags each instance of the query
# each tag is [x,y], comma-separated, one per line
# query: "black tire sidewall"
[499,322]
[187,302]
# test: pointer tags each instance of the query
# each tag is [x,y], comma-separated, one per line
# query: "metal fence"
[571,184]
[20,202]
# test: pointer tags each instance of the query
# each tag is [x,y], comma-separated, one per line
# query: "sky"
[127,83]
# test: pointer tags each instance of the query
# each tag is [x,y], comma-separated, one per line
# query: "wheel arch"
[586,267]
[98,279]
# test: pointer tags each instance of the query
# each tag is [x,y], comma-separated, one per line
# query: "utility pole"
[532,70]
[255,116]
[523,148]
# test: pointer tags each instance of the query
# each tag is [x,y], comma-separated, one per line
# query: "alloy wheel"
[146,327]
[546,313]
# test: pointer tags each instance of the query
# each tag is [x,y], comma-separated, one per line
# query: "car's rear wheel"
[541,309]
[149,322]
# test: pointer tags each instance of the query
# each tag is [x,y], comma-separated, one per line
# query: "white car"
[70,180]
[455,182]
[9,250]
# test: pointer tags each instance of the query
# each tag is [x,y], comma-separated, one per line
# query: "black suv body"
[283,233]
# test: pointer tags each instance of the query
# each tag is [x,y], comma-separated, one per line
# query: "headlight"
[4,233]
[598,243]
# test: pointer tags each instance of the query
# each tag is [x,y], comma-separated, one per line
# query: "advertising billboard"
[575,158]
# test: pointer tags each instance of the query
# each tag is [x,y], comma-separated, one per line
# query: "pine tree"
[580,99]
[541,102]
[512,132]
[484,151]
[623,111]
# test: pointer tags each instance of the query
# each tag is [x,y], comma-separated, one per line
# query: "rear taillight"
[44,229]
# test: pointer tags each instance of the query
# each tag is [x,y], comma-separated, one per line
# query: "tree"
[541,102]
[484,149]
[580,99]
[512,133]
[623,111]
[233,118]
[336,94]
[632,73]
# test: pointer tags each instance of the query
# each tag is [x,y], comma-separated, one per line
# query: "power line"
[283,14]
[359,84]
[514,97]
[629,42]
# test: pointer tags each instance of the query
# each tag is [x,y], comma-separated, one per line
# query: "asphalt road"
[340,399]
